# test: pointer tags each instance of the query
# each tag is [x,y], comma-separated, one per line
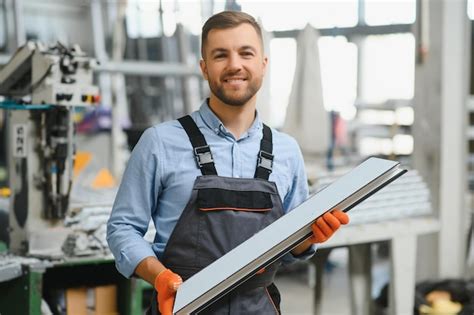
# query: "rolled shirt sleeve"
[133,207]
[297,194]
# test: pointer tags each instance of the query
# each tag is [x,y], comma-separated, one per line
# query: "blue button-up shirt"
[160,174]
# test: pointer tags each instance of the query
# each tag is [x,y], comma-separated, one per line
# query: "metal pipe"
[149,68]
[98,33]
[20,34]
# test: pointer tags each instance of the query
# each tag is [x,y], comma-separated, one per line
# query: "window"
[169,16]
[189,15]
[470,9]
[399,145]
[382,12]
[388,67]
[219,5]
[282,69]
[289,15]
[143,19]
[338,59]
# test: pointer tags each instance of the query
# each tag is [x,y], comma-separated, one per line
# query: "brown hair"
[228,19]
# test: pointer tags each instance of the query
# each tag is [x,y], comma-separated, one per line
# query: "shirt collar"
[213,122]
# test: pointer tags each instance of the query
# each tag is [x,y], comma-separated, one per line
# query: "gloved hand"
[166,284]
[325,226]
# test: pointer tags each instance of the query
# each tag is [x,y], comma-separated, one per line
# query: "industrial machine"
[41,87]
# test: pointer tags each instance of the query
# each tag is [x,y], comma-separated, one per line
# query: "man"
[211,180]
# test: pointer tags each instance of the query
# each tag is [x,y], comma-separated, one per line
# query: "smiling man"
[234,64]
[211,180]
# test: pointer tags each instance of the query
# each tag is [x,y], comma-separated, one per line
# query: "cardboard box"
[106,300]
[76,301]
[100,300]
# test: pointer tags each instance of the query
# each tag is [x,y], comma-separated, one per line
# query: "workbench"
[24,286]
[402,236]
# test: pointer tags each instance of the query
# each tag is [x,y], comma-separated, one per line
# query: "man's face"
[233,63]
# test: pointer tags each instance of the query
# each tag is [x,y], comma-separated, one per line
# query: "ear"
[202,65]
[265,62]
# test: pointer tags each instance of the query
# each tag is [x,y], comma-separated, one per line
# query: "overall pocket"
[229,217]
[211,199]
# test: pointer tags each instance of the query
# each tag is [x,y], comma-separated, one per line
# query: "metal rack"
[22,292]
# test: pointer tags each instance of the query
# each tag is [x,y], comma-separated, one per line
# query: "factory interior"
[352,81]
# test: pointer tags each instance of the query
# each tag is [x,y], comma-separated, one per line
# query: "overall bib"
[222,213]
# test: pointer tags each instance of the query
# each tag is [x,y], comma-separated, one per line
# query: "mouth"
[234,80]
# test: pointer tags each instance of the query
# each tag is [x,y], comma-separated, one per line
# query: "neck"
[236,119]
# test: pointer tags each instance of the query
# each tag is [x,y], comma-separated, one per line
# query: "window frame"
[356,35]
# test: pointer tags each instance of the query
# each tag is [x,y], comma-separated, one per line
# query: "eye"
[247,54]
[219,56]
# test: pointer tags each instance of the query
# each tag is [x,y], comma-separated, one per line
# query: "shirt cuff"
[129,259]
[289,258]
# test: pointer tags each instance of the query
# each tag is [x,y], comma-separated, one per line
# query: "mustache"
[234,74]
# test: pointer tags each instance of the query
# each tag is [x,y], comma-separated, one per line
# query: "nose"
[234,62]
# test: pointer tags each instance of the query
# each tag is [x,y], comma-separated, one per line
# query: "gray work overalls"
[222,213]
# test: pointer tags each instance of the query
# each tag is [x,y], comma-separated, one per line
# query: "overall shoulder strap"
[202,152]
[265,156]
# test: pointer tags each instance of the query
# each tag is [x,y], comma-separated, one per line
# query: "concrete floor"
[297,295]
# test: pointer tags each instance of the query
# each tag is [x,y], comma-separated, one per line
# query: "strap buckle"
[265,160]
[203,155]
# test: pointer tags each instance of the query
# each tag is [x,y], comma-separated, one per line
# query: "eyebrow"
[248,47]
[221,50]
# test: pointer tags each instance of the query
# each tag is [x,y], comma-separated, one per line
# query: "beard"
[232,97]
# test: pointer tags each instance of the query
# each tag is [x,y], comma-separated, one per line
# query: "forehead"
[233,38]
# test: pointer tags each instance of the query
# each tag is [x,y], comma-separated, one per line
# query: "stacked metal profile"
[11,265]
[408,196]
[88,232]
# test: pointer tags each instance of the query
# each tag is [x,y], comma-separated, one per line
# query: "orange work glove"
[166,284]
[260,271]
[325,226]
